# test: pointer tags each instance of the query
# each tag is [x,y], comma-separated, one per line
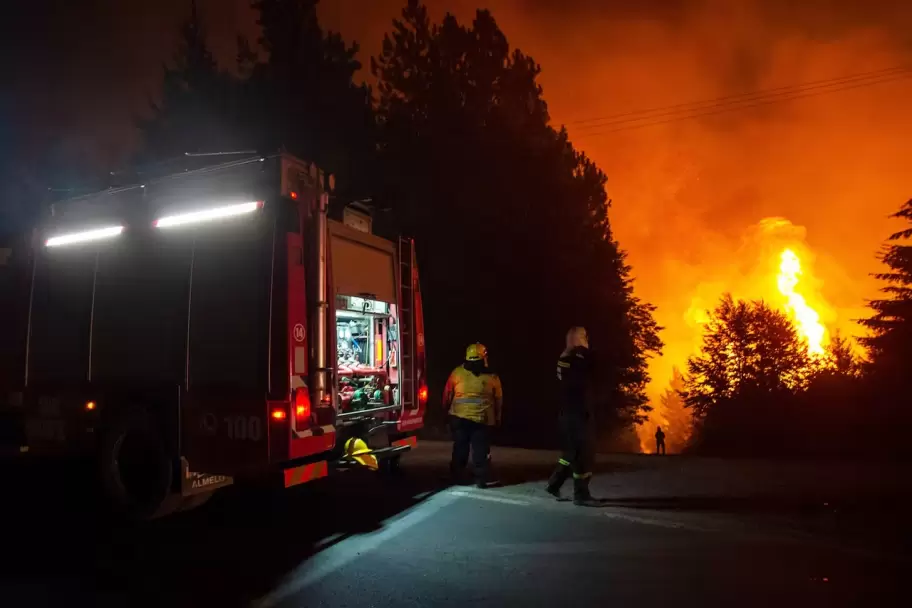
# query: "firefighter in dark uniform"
[474,396]
[574,373]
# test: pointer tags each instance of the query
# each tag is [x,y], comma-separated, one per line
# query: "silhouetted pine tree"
[890,343]
[511,218]
[303,97]
[196,111]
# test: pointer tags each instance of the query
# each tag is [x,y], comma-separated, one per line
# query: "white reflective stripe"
[469,400]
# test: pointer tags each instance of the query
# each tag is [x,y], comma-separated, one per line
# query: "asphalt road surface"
[672,532]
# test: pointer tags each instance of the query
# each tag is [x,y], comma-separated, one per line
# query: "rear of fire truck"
[209,327]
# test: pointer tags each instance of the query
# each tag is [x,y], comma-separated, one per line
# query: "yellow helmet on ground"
[357,450]
[476,352]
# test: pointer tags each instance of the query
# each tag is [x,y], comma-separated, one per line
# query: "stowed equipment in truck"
[208,326]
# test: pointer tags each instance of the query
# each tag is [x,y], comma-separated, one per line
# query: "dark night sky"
[78,70]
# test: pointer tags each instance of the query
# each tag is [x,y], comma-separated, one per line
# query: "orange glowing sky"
[689,195]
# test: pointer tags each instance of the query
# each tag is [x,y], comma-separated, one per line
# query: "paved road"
[674,531]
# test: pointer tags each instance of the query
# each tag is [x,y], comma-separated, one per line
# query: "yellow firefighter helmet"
[357,450]
[476,352]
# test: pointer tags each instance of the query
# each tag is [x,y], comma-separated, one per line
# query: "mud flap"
[410,441]
[193,483]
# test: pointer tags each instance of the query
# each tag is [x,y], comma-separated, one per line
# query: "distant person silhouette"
[660,441]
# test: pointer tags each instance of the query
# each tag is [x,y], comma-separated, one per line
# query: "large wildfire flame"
[773,263]
[806,319]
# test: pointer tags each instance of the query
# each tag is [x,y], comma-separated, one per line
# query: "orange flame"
[806,319]
[774,263]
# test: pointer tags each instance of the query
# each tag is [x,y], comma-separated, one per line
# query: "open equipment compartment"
[367,354]
[366,325]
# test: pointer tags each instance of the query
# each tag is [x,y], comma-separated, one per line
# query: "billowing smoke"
[689,195]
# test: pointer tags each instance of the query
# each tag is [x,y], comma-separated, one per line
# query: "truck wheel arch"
[135,469]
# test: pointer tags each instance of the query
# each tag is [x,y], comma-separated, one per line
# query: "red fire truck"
[210,326]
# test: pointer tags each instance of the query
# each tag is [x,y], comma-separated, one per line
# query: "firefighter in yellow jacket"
[474,397]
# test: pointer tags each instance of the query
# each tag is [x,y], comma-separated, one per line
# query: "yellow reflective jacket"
[477,398]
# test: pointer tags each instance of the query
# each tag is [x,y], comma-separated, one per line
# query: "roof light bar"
[85,236]
[206,215]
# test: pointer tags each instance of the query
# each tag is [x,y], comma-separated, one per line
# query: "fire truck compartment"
[363,264]
[366,326]
[366,353]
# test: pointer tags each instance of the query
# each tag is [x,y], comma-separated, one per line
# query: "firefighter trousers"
[577,455]
[475,436]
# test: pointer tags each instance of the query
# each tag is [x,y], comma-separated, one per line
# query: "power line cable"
[656,112]
[685,115]
[746,102]
[739,96]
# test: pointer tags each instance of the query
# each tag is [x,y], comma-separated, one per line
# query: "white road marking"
[490,498]
[663,523]
[334,558]
[562,547]
[613,513]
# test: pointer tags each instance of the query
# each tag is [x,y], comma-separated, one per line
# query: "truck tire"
[136,472]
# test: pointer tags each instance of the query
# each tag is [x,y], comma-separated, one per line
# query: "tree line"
[454,146]
[753,388]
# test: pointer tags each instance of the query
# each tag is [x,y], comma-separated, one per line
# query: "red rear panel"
[413,419]
[226,432]
[313,434]
[297,308]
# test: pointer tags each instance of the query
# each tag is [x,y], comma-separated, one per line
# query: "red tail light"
[302,408]
[278,414]
[423,395]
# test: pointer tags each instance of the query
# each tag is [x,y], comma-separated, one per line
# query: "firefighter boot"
[483,475]
[581,495]
[558,477]
[481,478]
[457,475]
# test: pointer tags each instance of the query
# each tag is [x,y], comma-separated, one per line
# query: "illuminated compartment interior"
[367,353]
